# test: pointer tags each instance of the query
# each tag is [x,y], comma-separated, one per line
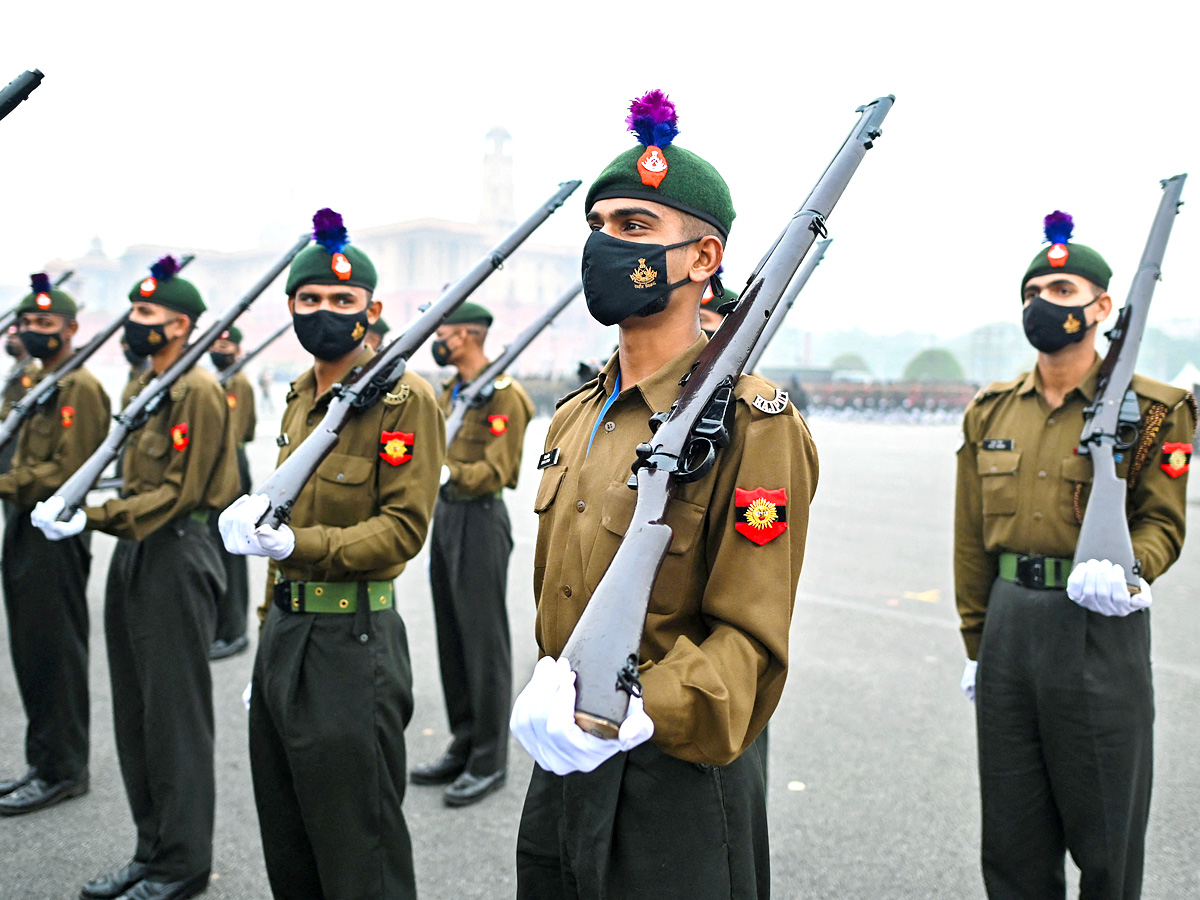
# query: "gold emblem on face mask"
[154,337]
[643,276]
[1072,324]
[358,331]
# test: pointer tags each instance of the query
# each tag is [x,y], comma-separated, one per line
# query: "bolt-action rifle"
[481,389]
[139,410]
[603,648]
[226,374]
[18,89]
[1110,424]
[366,385]
[785,304]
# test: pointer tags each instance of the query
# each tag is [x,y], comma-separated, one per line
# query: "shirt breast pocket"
[998,479]
[152,457]
[40,439]
[552,479]
[344,496]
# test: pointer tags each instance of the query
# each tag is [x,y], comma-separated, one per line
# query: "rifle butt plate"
[601,728]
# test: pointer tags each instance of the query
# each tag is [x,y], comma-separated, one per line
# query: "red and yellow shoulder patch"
[498,424]
[68,416]
[179,436]
[761,514]
[1177,458]
[231,399]
[27,381]
[397,447]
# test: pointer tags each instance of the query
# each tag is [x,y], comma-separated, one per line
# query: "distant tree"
[849,362]
[934,364]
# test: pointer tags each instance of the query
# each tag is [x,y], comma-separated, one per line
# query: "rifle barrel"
[19,89]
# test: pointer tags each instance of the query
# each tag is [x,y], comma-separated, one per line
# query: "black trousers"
[646,825]
[159,612]
[327,719]
[233,606]
[1065,711]
[45,596]
[468,573]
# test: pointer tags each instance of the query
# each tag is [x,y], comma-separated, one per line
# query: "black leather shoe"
[114,884]
[223,649]
[442,770]
[468,788]
[167,890]
[38,794]
[7,787]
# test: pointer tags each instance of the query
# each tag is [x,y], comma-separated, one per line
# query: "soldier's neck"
[1063,371]
[329,372]
[58,358]
[162,360]
[646,345]
[469,369]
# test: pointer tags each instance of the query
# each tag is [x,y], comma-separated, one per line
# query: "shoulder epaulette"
[588,385]
[1159,391]
[763,395]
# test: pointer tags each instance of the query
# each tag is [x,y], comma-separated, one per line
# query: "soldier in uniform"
[468,566]
[161,599]
[45,583]
[714,650]
[235,602]
[1059,660]
[376,333]
[332,687]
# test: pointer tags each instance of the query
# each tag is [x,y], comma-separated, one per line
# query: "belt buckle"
[1031,571]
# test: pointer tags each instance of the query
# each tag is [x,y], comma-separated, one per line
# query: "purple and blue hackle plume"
[329,232]
[653,119]
[40,283]
[1059,227]
[164,269]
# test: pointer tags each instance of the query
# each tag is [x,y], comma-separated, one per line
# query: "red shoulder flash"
[498,424]
[231,400]
[397,447]
[761,514]
[179,436]
[1177,458]
[68,416]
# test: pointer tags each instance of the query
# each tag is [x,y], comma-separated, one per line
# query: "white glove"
[1100,586]
[246,695]
[543,720]
[243,536]
[45,516]
[445,475]
[967,683]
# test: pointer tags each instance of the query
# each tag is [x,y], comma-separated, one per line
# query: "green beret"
[315,265]
[1064,256]
[469,314]
[233,334]
[380,327]
[178,294]
[43,298]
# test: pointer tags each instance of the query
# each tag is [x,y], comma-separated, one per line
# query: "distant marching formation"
[665,568]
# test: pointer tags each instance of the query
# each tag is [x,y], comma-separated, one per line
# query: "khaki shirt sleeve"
[244,419]
[70,444]
[407,494]
[709,701]
[187,474]
[974,567]
[1159,507]
[501,453]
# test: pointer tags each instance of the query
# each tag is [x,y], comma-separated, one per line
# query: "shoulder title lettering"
[502,382]
[775,405]
[395,398]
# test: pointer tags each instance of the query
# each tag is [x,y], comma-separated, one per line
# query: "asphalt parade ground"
[873,790]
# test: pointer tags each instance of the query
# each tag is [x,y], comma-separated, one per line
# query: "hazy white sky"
[213,124]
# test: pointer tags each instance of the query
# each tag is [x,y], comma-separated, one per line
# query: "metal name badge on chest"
[548,459]
[282,441]
[997,444]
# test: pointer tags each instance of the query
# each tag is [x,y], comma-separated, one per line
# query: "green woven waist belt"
[1041,572]
[331,596]
[200,515]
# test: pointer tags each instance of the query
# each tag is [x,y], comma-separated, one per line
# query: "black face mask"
[330,335]
[1050,327]
[622,278]
[41,346]
[134,359]
[441,352]
[222,360]
[145,340]
[13,346]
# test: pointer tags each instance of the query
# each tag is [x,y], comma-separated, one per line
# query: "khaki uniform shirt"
[714,650]
[182,460]
[57,439]
[1017,479]
[486,454]
[239,395]
[21,378]
[365,512]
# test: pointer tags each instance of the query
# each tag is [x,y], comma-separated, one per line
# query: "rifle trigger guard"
[627,677]
[710,435]
[650,457]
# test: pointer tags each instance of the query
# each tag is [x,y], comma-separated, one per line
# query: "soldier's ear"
[374,311]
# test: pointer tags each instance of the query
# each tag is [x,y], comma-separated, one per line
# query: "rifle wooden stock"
[789,298]
[603,648]
[140,408]
[225,375]
[19,89]
[365,385]
[480,390]
[1104,533]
